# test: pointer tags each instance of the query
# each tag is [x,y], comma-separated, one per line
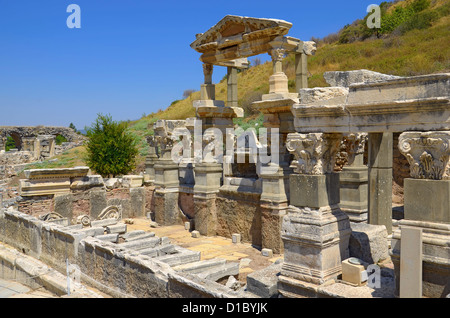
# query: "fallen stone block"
[368,242]
[218,272]
[236,238]
[114,238]
[147,242]
[118,228]
[105,222]
[91,231]
[133,234]
[267,252]
[263,282]
[159,250]
[197,267]
[182,256]
[195,234]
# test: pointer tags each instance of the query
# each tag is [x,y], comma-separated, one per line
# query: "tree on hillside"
[111,149]
[187,93]
[71,125]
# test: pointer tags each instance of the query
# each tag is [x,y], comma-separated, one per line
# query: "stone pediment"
[236,37]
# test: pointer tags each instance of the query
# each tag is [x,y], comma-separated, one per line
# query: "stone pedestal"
[315,231]
[166,211]
[207,183]
[353,179]
[315,235]
[274,205]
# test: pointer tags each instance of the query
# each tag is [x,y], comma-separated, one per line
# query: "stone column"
[208,89]
[278,81]
[427,207]
[232,93]
[315,231]
[301,71]
[380,179]
[353,179]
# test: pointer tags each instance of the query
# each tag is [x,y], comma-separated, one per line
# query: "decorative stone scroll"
[428,153]
[84,220]
[315,153]
[111,212]
[51,216]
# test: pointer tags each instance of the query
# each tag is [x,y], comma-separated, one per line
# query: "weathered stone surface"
[427,200]
[132,181]
[368,242]
[80,183]
[346,78]
[98,202]
[264,282]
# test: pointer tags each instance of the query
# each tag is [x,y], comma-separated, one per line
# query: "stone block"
[427,200]
[97,200]
[236,238]
[267,252]
[86,182]
[352,273]
[411,262]
[132,181]
[368,242]
[314,191]
[195,234]
[264,282]
[137,202]
[118,228]
[216,273]
[63,205]
[346,78]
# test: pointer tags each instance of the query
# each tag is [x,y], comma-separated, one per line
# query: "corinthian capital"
[428,153]
[277,54]
[355,145]
[314,153]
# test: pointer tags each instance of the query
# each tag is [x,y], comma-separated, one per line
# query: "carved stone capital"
[277,54]
[355,145]
[428,153]
[315,153]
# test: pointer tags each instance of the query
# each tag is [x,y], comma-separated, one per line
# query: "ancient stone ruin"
[332,223]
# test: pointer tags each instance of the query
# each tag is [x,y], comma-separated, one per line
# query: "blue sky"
[129,57]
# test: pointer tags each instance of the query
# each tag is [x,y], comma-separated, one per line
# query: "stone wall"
[115,270]
[239,212]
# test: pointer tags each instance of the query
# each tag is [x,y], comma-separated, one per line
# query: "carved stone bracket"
[315,153]
[428,153]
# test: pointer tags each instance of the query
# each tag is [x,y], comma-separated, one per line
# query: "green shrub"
[60,139]
[10,143]
[111,150]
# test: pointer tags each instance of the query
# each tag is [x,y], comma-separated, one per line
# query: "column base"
[315,243]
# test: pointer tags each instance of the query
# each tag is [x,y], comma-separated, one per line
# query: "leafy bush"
[10,143]
[111,150]
[60,139]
